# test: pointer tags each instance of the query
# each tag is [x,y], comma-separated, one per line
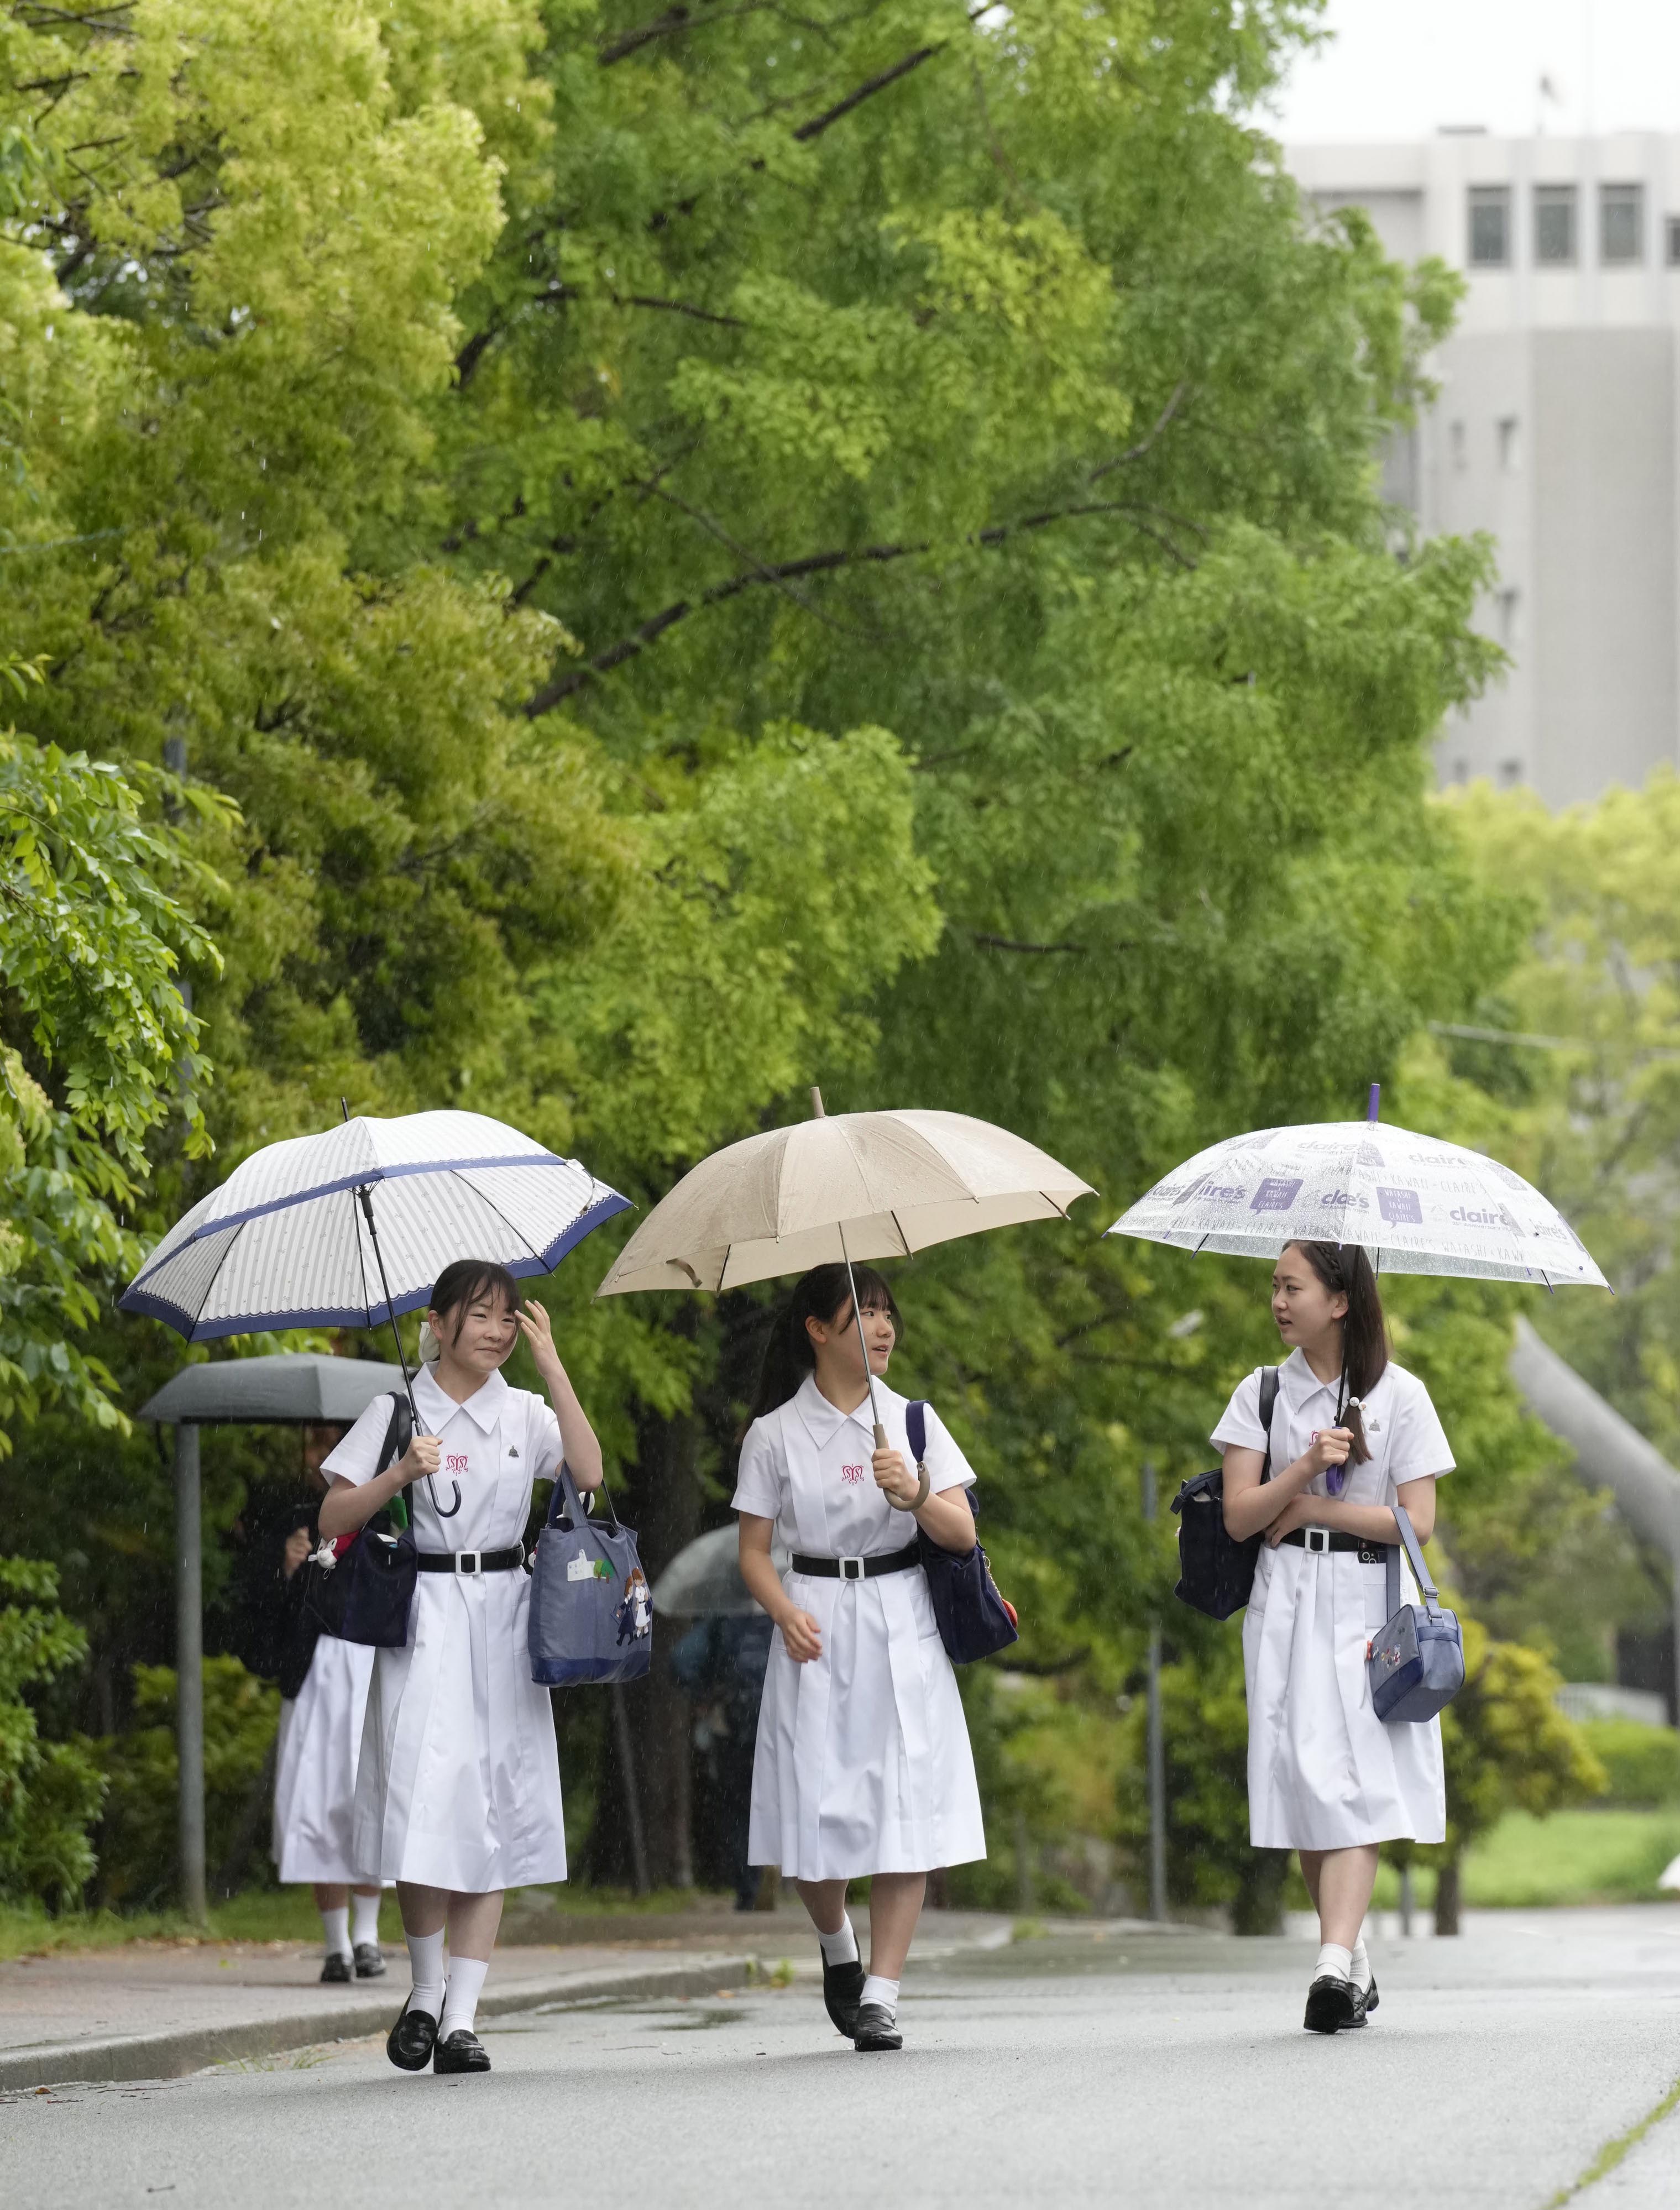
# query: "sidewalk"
[156,2010]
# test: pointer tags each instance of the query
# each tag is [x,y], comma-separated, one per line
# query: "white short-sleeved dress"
[314,1766]
[458,1784]
[1323,1772]
[862,1763]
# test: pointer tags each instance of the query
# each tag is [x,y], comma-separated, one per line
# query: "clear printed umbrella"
[839,1187]
[1415,1205]
[294,1239]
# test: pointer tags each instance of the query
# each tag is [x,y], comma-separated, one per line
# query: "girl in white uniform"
[863,1766]
[458,1789]
[315,1793]
[1351,1435]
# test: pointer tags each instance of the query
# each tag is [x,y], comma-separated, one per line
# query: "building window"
[1510,443]
[1510,608]
[1554,225]
[1620,224]
[1674,241]
[1490,225]
[1510,774]
[1459,444]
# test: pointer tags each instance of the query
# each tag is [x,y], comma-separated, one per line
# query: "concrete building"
[1556,430]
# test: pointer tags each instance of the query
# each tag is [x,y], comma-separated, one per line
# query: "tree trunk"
[1258,1904]
[1448,1896]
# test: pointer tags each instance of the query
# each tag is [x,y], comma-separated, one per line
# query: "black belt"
[1330,1538]
[859,1569]
[471,1562]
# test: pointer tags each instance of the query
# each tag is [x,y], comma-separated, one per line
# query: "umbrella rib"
[455,1175]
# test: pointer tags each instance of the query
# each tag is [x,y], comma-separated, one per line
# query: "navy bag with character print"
[974,1620]
[591,1610]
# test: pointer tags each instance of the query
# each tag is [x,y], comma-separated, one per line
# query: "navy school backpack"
[362,1593]
[1216,1572]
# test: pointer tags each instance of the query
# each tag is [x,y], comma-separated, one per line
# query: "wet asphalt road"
[1116,2066]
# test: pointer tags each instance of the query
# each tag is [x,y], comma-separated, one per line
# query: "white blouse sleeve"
[542,1436]
[760,1480]
[947,1468]
[356,1458]
[1241,1424]
[1418,1446]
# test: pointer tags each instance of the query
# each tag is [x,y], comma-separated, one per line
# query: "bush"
[1643,1762]
[138,1843]
[50,1792]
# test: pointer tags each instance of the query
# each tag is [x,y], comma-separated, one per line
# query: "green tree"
[50,1792]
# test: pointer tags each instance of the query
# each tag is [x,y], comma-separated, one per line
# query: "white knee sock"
[1360,1972]
[841,1947]
[884,1992]
[365,1920]
[336,1925]
[1333,1959]
[425,1962]
[466,1977]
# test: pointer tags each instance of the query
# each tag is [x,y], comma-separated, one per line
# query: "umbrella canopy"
[846,1184]
[703,1580]
[293,1388]
[284,1241]
[1418,1205]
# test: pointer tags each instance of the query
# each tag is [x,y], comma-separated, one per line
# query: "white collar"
[825,1420]
[483,1408]
[1304,1382]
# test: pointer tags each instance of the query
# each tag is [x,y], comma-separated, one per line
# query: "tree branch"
[822,564]
[818,124]
[1011,944]
[1136,452]
[680,307]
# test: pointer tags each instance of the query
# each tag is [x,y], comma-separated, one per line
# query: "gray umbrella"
[293,1388]
[704,1581]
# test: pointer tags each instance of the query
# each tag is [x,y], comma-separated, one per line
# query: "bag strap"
[565,1506]
[1420,1571]
[399,1434]
[916,1426]
[1268,1405]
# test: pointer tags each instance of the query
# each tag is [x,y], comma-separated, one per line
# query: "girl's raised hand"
[421,1457]
[802,1635]
[1329,1447]
[538,1330]
[892,1476]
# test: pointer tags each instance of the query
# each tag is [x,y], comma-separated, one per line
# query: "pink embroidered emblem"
[852,1473]
[456,1463]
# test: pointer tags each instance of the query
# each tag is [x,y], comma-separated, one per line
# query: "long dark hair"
[467,1280]
[1346,1271]
[824,1294]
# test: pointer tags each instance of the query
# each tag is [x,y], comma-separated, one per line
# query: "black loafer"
[462,2052]
[1368,2002]
[335,1973]
[410,2041]
[1331,2004]
[370,1961]
[876,2028]
[843,1990]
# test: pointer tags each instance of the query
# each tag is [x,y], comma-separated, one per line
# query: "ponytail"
[824,1294]
[1346,1271]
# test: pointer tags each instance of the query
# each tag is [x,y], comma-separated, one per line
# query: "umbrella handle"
[438,1507]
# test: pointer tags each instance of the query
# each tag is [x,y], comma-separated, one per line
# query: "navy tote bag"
[974,1620]
[591,1610]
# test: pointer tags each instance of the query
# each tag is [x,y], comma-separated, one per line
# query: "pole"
[818,1113]
[1157,1749]
[189,1669]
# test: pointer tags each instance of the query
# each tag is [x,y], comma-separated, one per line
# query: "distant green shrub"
[50,1792]
[138,1845]
[1643,1762]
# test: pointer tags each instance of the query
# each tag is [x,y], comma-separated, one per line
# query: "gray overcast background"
[1401,69]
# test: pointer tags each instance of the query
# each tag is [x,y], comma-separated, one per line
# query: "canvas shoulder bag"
[1216,1572]
[591,1609]
[1415,1665]
[974,1620]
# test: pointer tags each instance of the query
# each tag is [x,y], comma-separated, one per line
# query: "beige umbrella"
[841,1187]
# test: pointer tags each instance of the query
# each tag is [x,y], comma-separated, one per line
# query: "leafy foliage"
[50,1792]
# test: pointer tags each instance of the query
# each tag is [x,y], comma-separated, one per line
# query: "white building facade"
[1555,431]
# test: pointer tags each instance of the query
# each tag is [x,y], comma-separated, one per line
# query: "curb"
[190,2049]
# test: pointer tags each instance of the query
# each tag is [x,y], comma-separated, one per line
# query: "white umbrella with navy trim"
[1415,1205]
[289,1238]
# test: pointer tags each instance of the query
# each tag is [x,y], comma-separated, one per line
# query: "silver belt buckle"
[1318,1540]
[851,1569]
[467,1561]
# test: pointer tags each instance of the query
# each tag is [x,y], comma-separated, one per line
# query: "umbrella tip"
[344,1107]
[1374,1101]
[816,1112]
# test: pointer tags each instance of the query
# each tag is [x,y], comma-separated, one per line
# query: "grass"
[1572,1856]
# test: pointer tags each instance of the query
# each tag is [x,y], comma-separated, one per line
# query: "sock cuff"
[1332,1958]
[839,1947]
